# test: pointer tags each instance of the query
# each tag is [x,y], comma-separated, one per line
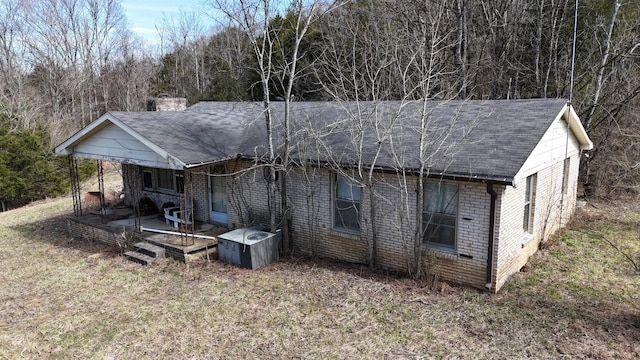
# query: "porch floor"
[181,246]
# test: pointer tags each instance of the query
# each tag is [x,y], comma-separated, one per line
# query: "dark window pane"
[346,214]
[217,169]
[441,198]
[528,203]
[165,179]
[527,215]
[440,213]
[440,229]
[180,182]
[346,204]
[147,179]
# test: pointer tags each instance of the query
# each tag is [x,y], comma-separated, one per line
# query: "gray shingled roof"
[470,139]
[200,137]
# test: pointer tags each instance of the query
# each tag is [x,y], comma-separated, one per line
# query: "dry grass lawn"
[62,298]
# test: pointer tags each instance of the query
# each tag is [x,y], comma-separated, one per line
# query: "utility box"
[248,248]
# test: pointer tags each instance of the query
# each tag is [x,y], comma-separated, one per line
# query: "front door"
[218,195]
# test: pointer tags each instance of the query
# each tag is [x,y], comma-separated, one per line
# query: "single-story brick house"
[497,176]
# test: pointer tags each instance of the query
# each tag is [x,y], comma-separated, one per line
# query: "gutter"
[212,162]
[492,225]
[432,174]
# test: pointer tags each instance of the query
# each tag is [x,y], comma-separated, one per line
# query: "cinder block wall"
[95,232]
[246,193]
[310,198]
[515,245]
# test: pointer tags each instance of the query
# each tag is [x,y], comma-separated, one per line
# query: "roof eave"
[576,127]
[214,161]
[494,179]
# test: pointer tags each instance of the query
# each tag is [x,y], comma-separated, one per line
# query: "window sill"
[526,238]
[441,252]
[162,191]
[167,191]
[345,233]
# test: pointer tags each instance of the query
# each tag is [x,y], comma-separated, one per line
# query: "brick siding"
[311,210]
[515,246]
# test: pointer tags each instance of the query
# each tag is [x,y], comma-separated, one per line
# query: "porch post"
[101,185]
[132,175]
[186,202]
[75,185]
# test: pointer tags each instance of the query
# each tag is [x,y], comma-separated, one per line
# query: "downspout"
[492,225]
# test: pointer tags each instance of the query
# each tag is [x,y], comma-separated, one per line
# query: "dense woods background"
[66,62]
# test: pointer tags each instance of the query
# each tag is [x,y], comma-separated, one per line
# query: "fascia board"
[578,130]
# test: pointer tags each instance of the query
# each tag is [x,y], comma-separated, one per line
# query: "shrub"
[28,169]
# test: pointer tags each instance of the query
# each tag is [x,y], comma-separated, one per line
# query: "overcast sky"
[144,15]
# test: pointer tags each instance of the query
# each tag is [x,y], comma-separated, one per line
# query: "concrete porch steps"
[139,257]
[150,249]
[145,253]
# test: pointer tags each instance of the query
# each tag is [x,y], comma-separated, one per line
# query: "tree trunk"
[460,50]
[372,245]
[603,63]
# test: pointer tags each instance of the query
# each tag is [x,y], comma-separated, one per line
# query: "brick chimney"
[165,103]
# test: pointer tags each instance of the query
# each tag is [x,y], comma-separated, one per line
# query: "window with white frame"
[163,180]
[527,223]
[346,204]
[440,214]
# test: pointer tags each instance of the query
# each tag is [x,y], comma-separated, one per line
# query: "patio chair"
[175,216]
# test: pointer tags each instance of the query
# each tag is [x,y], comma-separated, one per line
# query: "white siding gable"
[551,149]
[112,143]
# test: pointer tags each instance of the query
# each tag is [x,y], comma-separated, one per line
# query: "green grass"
[63,298]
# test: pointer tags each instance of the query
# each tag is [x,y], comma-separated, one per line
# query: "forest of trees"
[65,62]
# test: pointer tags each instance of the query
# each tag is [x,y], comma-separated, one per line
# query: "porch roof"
[177,139]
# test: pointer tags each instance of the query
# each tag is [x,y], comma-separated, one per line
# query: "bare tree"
[55,54]
[598,82]
[255,17]
[185,39]
[17,97]
[380,56]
